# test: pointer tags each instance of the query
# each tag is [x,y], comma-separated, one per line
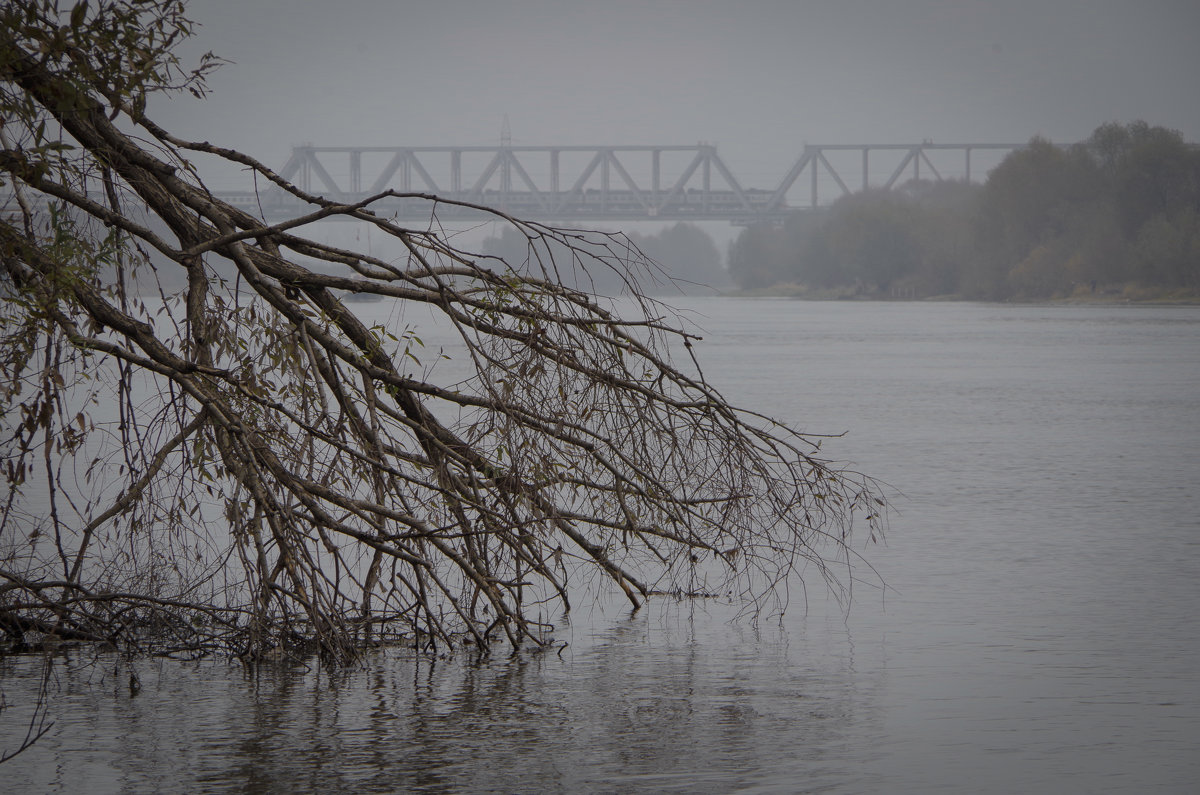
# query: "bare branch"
[277,472]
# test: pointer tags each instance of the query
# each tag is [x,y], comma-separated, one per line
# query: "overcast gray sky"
[756,77]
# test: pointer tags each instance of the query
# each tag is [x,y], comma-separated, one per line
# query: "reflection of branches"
[286,480]
[38,726]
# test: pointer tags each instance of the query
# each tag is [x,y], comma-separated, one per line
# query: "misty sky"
[756,78]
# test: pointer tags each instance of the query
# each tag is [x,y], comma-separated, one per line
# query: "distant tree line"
[1118,213]
[682,258]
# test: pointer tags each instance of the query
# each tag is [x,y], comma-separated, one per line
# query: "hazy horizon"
[758,79]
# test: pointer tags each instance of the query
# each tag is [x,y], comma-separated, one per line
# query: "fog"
[758,78]
[1039,627]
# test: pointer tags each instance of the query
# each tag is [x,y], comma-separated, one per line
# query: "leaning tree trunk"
[286,476]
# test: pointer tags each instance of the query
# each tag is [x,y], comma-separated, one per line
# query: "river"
[1039,630]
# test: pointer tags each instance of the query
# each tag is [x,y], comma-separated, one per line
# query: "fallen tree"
[244,465]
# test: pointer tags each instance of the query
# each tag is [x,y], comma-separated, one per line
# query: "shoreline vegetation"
[1113,219]
[1111,295]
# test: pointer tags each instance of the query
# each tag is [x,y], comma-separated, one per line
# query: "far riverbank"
[1120,294]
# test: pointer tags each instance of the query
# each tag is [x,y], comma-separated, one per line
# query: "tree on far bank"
[869,240]
[683,257]
[1054,219]
[1116,210]
[1029,202]
[687,255]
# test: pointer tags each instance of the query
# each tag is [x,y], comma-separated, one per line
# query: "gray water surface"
[1040,631]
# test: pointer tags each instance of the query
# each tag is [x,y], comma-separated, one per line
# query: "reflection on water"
[673,699]
[1041,632]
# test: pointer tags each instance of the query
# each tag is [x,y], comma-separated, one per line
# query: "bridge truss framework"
[618,183]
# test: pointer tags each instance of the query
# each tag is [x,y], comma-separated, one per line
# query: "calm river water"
[1041,631]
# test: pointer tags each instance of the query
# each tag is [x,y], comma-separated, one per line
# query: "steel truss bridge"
[605,183]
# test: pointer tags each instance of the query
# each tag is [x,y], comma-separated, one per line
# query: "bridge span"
[607,183]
